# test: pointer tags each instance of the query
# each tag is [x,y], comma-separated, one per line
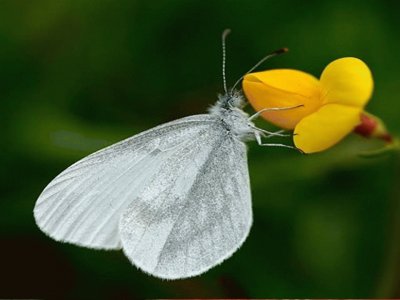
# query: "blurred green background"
[79,75]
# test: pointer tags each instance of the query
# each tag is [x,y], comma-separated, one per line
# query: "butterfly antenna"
[275,53]
[224,35]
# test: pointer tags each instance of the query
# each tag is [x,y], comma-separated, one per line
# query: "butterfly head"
[234,99]
[228,101]
[229,110]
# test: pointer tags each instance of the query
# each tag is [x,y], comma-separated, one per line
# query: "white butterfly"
[176,198]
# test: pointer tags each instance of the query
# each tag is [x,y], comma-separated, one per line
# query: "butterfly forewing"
[84,203]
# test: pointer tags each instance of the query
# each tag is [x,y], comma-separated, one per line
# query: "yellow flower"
[332,105]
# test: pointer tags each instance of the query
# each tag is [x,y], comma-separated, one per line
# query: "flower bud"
[372,127]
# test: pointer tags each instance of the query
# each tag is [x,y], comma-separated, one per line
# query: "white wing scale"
[182,190]
[83,204]
[194,214]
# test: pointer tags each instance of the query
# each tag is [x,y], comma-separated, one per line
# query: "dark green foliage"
[78,75]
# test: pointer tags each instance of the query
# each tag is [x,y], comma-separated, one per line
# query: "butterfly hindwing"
[195,213]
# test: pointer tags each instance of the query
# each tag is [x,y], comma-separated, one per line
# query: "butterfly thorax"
[229,109]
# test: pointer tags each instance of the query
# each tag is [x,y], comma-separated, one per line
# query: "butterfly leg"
[257,114]
[267,134]
[260,143]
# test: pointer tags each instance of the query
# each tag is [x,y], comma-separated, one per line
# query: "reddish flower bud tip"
[373,127]
[367,126]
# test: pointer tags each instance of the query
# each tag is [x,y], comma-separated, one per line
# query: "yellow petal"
[347,81]
[283,88]
[324,128]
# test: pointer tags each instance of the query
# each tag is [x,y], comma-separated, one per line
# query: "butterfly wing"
[195,213]
[84,203]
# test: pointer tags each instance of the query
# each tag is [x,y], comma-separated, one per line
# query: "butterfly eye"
[235,100]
